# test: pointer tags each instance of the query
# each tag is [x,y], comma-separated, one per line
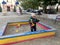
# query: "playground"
[21,33]
[15,28]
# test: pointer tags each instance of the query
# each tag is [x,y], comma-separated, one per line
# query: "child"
[33,20]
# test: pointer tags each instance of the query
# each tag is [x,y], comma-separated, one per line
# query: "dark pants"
[33,28]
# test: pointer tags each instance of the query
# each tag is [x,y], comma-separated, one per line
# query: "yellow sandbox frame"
[28,37]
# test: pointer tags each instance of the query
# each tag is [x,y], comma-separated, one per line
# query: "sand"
[22,29]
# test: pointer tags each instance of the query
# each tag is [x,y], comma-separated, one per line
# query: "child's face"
[34,16]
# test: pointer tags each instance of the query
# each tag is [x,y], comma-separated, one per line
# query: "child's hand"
[32,24]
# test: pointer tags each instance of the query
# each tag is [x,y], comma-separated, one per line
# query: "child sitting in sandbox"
[33,20]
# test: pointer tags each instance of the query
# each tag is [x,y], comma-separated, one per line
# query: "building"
[9,6]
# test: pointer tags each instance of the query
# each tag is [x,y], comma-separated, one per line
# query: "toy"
[18,25]
[17,30]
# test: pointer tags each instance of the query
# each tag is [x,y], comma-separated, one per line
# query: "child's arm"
[31,22]
[37,20]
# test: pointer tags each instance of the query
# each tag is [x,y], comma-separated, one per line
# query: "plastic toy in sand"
[17,30]
[18,26]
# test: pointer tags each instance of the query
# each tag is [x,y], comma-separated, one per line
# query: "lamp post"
[3,3]
[17,7]
[16,3]
[4,7]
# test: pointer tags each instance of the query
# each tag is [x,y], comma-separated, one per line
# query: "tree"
[30,4]
[35,3]
[14,9]
[0,8]
[48,2]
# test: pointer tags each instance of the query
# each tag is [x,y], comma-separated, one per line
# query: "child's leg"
[34,28]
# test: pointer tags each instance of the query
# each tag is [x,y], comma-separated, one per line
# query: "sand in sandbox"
[24,28]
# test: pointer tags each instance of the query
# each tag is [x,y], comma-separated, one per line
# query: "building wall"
[10,3]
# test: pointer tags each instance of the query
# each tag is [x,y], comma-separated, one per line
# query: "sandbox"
[16,32]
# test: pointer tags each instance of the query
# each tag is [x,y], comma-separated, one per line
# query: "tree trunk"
[44,9]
